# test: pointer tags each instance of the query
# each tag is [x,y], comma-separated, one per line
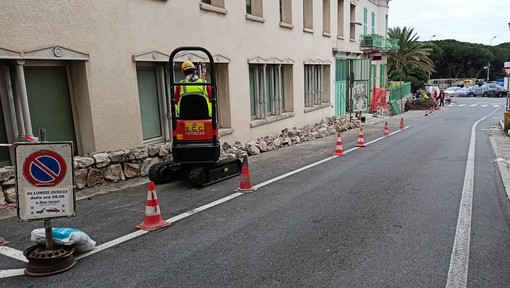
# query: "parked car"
[475,90]
[502,92]
[463,92]
[450,91]
[490,90]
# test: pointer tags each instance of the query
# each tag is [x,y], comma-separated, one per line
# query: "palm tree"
[411,54]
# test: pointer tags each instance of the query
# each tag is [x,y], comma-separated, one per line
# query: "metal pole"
[507,87]
[48,234]
[488,71]
[47,222]
[349,88]
[489,64]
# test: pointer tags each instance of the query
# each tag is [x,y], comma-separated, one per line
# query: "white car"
[450,91]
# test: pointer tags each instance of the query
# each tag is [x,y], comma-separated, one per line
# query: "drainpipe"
[24,97]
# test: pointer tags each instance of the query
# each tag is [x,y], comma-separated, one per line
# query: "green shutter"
[365,20]
[149,102]
[50,102]
[373,22]
[341,87]
[382,71]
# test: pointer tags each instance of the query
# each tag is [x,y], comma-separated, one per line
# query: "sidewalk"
[501,145]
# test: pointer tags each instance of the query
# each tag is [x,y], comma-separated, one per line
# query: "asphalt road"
[385,215]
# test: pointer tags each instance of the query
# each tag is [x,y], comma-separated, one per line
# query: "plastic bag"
[65,237]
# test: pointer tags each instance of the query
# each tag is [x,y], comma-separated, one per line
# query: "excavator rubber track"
[201,176]
[198,175]
[165,172]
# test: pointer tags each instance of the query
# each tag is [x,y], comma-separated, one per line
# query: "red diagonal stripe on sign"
[44,168]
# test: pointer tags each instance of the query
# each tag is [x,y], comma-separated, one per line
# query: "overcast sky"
[474,21]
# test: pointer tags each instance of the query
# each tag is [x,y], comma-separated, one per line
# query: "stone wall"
[107,167]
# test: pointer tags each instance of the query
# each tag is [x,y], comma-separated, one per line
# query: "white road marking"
[485,105]
[496,106]
[473,105]
[459,261]
[460,105]
[16,253]
[13,253]
[11,273]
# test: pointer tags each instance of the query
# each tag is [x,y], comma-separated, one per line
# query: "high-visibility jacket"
[194,89]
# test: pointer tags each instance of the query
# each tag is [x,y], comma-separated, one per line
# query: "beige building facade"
[96,72]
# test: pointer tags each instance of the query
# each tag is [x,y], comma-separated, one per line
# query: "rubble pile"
[419,104]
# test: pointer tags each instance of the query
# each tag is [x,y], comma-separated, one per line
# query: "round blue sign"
[44,168]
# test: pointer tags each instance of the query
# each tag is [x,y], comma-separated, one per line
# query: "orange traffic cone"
[3,241]
[386,129]
[339,150]
[361,138]
[153,218]
[245,185]
[426,112]
[401,123]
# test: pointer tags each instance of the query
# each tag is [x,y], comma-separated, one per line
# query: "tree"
[460,59]
[411,55]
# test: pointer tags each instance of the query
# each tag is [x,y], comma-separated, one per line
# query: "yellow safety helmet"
[187,65]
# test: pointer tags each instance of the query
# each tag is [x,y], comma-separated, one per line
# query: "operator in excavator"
[189,70]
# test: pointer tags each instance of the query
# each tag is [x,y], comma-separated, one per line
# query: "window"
[316,84]
[308,15]
[48,93]
[286,12]
[340,19]
[254,8]
[217,6]
[248,6]
[326,18]
[352,30]
[267,95]
[215,3]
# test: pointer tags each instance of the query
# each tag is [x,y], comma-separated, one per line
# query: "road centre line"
[459,261]
[130,236]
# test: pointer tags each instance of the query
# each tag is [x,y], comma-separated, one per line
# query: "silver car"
[450,91]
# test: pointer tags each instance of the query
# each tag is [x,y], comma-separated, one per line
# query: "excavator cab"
[195,142]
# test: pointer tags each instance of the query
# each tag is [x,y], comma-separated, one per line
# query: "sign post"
[506,114]
[45,190]
[506,69]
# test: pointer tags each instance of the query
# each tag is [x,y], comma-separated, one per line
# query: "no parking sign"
[44,180]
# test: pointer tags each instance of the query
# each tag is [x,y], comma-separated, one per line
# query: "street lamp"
[489,65]
[430,73]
